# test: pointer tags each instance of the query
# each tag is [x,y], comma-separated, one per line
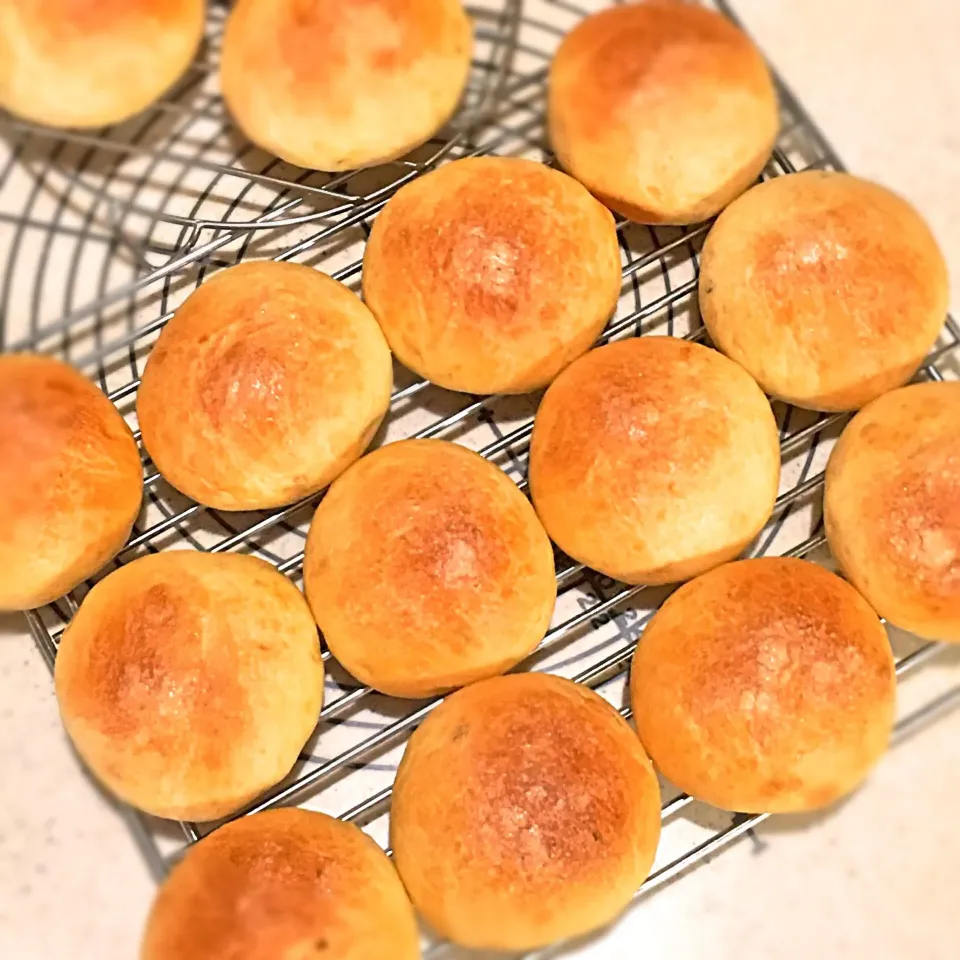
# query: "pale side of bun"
[332,86]
[426,569]
[827,289]
[654,459]
[525,811]
[765,686]
[892,507]
[663,109]
[70,477]
[267,383]
[189,682]
[76,63]
[491,274]
[283,885]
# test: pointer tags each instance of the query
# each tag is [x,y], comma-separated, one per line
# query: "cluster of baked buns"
[525,810]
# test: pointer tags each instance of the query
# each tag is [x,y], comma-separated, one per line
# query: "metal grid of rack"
[103,234]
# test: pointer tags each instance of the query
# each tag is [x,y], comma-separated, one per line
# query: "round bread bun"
[491,274]
[426,569]
[189,682]
[892,507]
[77,63]
[282,885]
[525,811]
[827,289]
[268,382]
[654,459]
[663,109]
[329,85]
[765,686]
[70,477]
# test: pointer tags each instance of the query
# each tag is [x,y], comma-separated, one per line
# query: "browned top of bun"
[322,41]
[84,63]
[892,507]
[70,477]
[828,289]
[524,811]
[664,108]
[189,682]
[427,568]
[269,380]
[652,452]
[341,67]
[491,274]
[62,20]
[631,389]
[764,685]
[282,885]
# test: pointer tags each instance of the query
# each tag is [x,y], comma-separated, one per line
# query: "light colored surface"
[877,878]
[72,883]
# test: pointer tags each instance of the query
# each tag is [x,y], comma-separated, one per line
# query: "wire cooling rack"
[103,234]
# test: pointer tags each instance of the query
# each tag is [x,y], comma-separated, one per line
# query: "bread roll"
[189,681]
[765,686]
[426,569]
[282,885]
[829,290]
[524,811]
[331,86]
[654,459]
[77,63]
[268,382]
[892,507]
[663,109]
[70,478]
[491,274]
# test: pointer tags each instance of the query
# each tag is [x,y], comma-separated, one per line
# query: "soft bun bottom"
[695,209]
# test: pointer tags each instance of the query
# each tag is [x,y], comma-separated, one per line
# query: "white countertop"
[876,877]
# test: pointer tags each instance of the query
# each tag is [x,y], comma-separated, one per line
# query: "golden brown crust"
[491,274]
[71,480]
[663,109]
[828,289]
[653,459]
[765,686]
[892,507]
[524,812]
[283,885]
[189,682]
[268,382]
[333,86]
[75,63]
[426,569]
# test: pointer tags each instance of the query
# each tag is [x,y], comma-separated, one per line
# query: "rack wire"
[102,234]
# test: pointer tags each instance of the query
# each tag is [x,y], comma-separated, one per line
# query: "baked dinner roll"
[330,85]
[524,812]
[654,459]
[77,63]
[189,681]
[70,478]
[663,109]
[765,686]
[490,274]
[426,569]
[892,507]
[827,289]
[268,382]
[282,885]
